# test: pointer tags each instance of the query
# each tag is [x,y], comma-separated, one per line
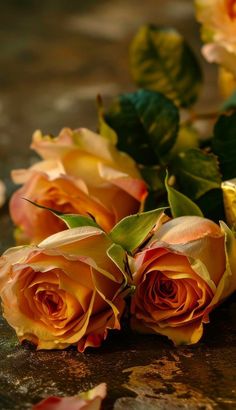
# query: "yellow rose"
[63,292]
[218,18]
[81,172]
[187,269]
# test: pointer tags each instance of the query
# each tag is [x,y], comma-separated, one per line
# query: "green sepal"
[131,231]
[119,257]
[180,204]
[197,172]
[71,220]
[104,128]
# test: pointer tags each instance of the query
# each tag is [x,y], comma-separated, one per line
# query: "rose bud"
[65,291]
[186,270]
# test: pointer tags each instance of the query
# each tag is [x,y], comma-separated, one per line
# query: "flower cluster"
[71,288]
[126,220]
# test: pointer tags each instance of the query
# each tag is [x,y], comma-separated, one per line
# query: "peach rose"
[61,193]
[187,269]
[63,292]
[81,172]
[90,400]
[218,18]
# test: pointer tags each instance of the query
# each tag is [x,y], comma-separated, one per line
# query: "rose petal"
[181,335]
[90,400]
[216,53]
[197,238]
[186,229]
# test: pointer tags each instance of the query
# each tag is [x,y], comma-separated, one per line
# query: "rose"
[218,18]
[90,400]
[60,193]
[63,292]
[90,162]
[181,275]
[110,175]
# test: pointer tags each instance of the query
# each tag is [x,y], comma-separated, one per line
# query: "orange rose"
[63,292]
[62,194]
[81,172]
[181,275]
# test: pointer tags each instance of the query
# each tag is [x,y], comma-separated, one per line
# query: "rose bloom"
[81,172]
[91,400]
[218,18]
[65,291]
[181,275]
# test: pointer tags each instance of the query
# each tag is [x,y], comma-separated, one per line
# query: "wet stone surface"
[142,372]
[55,57]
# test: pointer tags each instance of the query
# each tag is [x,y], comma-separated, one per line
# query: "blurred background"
[57,55]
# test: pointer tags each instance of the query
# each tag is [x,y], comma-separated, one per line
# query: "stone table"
[55,57]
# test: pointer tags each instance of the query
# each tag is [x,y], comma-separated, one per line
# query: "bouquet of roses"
[126,220]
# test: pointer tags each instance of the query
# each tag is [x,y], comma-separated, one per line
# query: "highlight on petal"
[90,400]
[215,53]
[187,228]
[49,147]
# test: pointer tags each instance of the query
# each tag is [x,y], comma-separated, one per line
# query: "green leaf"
[212,205]
[196,172]
[75,220]
[131,231]
[230,103]
[154,176]
[180,204]
[224,145]
[71,220]
[162,61]
[187,138]
[104,129]
[146,123]
[118,255]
